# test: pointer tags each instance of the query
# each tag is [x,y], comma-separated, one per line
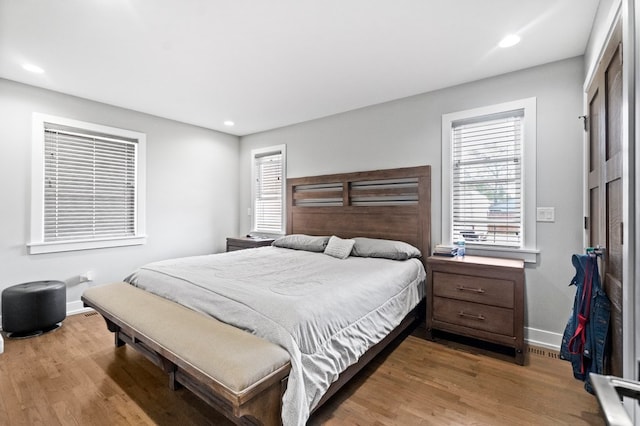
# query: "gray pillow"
[337,247]
[302,242]
[388,249]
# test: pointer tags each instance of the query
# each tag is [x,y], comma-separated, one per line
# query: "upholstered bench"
[239,373]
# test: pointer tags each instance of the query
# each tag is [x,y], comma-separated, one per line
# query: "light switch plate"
[546,214]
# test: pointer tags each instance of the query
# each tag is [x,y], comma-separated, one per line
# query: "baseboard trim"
[77,307]
[542,338]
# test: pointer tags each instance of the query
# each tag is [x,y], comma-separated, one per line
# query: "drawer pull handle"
[472,290]
[466,315]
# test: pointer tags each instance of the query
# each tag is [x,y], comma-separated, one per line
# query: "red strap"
[576,347]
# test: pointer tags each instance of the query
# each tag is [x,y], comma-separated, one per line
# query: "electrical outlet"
[546,214]
[87,276]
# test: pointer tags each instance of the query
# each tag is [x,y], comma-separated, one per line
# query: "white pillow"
[337,247]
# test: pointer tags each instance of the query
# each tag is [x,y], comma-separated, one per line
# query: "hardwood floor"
[75,376]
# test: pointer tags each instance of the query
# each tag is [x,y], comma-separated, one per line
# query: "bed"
[332,313]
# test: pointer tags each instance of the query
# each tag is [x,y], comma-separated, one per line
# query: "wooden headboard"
[393,204]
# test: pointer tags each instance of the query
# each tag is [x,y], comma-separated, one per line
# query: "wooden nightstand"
[478,297]
[241,243]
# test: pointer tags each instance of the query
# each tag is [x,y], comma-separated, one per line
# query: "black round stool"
[31,309]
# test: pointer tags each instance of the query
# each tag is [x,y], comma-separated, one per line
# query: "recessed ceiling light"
[33,68]
[229,123]
[510,40]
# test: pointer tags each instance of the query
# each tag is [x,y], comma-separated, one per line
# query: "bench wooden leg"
[118,341]
[170,368]
[115,329]
[174,384]
[267,407]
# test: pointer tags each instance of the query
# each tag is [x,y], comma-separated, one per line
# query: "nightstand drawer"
[473,315]
[489,291]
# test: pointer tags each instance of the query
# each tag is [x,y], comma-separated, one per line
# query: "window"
[268,189]
[88,186]
[489,178]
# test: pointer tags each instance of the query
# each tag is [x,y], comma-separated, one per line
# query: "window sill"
[528,255]
[61,246]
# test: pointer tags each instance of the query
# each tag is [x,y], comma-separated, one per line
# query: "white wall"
[192,186]
[406,133]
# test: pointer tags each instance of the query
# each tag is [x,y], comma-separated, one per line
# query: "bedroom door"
[605,191]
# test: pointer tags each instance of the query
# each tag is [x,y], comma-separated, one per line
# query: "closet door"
[605,225]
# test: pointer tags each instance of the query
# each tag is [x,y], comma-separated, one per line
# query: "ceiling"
[267,64]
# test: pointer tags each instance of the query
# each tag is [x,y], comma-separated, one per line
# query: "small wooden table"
[241,243]
[478,297]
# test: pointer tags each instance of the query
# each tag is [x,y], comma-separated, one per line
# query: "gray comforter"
[324,311]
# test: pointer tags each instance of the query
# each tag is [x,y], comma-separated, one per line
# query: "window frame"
[37,244]
[259,152]
[529,250]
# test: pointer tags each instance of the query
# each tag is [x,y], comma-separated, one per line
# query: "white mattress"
[324,311]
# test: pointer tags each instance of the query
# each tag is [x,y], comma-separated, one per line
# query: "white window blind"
[487,180]
[89,185]
[268,192]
